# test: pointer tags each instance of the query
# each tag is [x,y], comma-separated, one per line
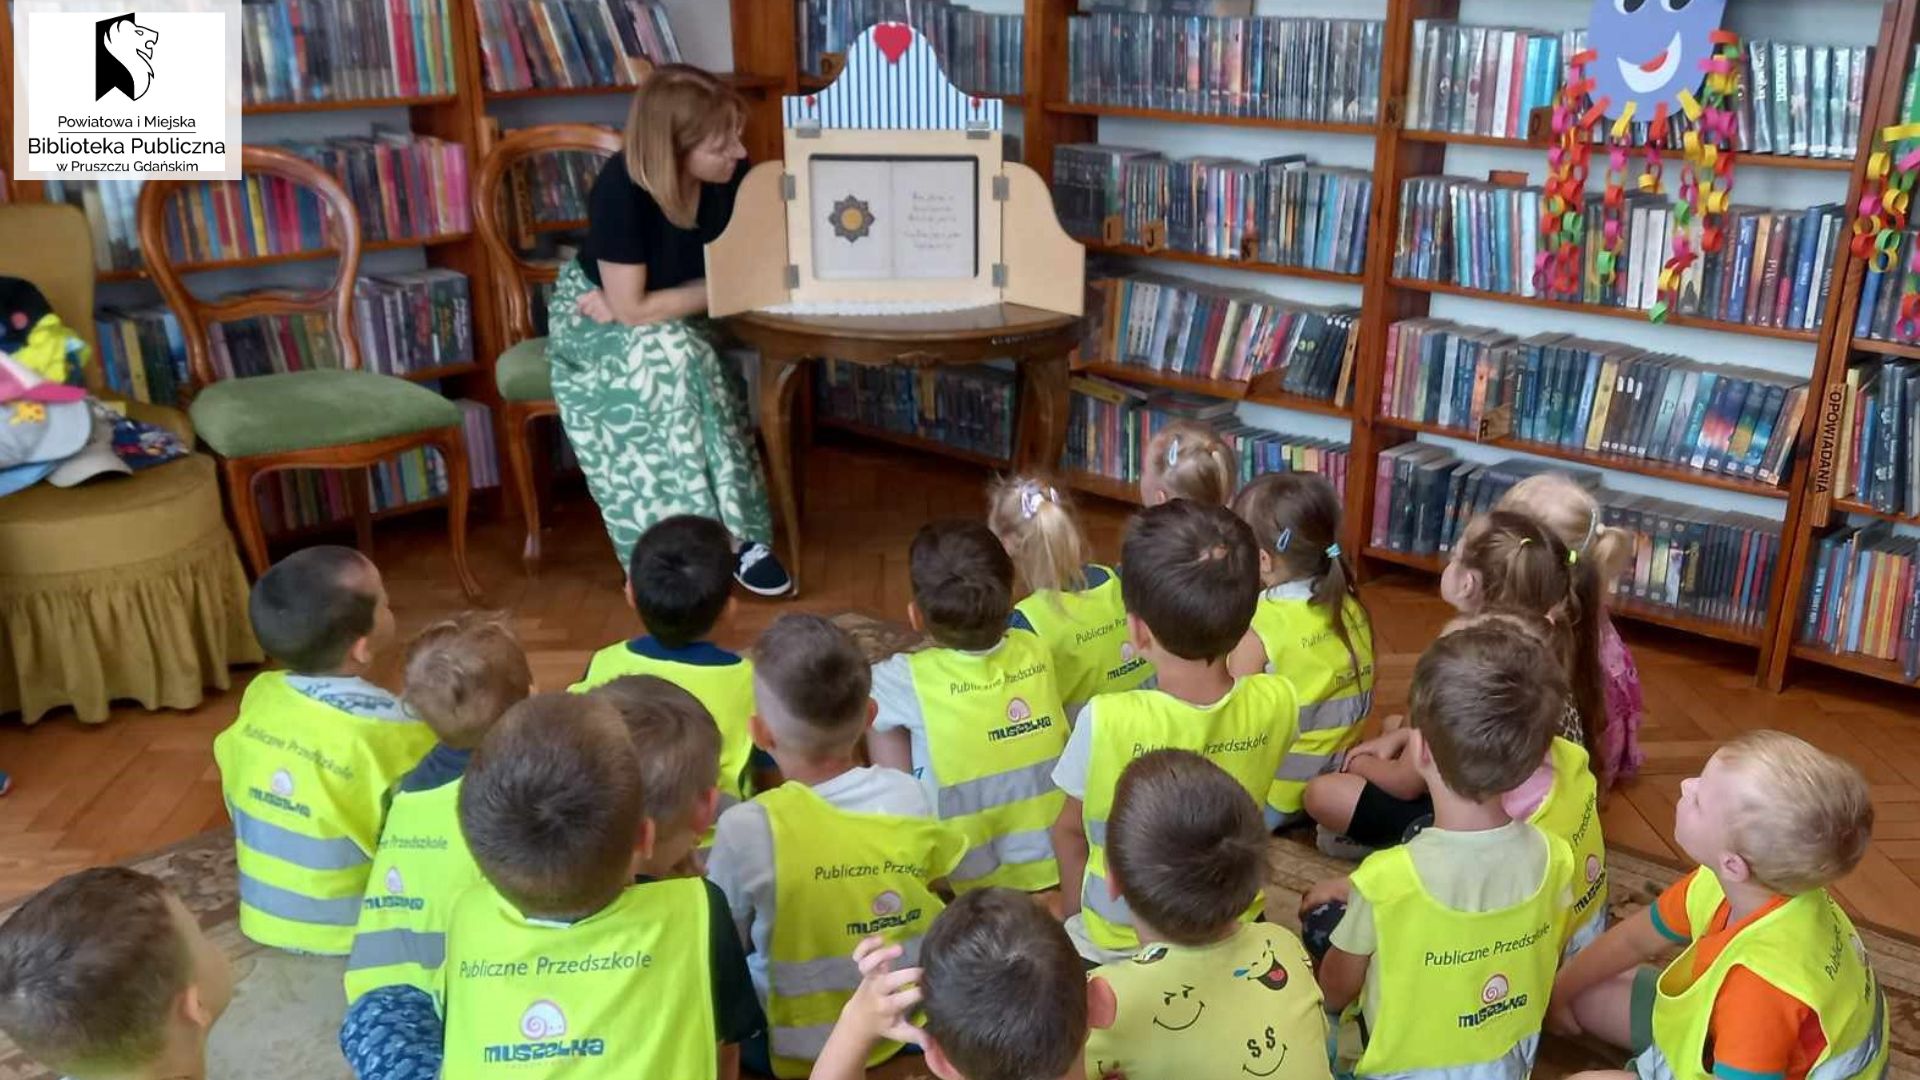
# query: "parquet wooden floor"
[87,795]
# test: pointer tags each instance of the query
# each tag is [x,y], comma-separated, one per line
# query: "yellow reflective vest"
[625,992]
[1571,811]
[994,729]
[306,785]
[1464,992]
[1808,948]
[726,689]
[841,876]
[1246,733]
[1302,645]
[422,865]
[1085,633]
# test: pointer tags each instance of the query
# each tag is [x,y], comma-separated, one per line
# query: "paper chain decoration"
[1706,180]
[1884,202]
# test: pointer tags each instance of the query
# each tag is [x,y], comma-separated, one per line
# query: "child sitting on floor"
[1072,604]
[1310,626]
[1188,460]
[1448,943]
[1191,584]
[838,852]
[566,965]
[679,748]
[1206,995]
[680,583]
[1773,980]
[461,675]
[106,974]
[306,765]
[977,719]
[1004,996]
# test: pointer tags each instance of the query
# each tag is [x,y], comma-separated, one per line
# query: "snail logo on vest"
[1020,721]
[890,912]
[279,794]
[1496,997]
[543,1027]
[396,897]
[123,57]
[1130,661]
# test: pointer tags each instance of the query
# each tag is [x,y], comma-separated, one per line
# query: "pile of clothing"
[51,428]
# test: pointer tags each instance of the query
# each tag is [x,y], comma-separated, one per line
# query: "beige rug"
[287,1010]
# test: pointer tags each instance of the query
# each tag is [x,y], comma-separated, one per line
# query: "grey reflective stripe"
[1096,897]
[1013,849]
[1855,1061]
[1652,1064]
[1000,789]
[296,907]
[828,973]
[306,852]
[799,1042]
[1302,767]
[1097,832]
[385,948]
[1336,713]
[1515,1064]
[1586,933]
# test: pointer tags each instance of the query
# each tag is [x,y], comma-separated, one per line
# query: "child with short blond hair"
[1773,980]
[1072,604]
[1188,460]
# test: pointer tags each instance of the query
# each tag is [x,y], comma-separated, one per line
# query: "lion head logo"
[122,57]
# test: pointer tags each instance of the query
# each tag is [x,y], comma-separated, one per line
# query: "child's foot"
[759,572]
[1332,843]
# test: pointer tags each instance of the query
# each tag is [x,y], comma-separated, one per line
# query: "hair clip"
[1030,498]
[1333,551]
[1593,526]
[1285,538]
[1173,451]
[1573,557]
[1525,540]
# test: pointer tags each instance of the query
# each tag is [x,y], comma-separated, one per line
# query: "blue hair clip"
[1285,538]
[1333,551]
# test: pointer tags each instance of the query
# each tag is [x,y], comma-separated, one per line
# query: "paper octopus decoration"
[1643,61]
[1884,208]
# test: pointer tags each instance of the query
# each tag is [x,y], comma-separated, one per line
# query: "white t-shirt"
[741,861]
[899,707]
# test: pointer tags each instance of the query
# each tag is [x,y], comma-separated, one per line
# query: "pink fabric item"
[1521,802]
[1619,755]
[21,383]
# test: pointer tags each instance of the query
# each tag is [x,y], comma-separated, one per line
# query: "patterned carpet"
[287,1010]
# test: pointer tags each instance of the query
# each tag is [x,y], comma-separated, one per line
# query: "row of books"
[971,408]
[1480,80]
[1282,211]
[1319,70]
[1715,565]
[413,322]
[345,50]
[1865,596]
[1109,425]
[1775,268]
[1181,327]
[1597,396]
[1884,291]
[310,498]
[550,44]
[982,52]
[552,188]
[1878,460]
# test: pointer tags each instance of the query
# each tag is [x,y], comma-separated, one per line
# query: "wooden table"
[1039,341]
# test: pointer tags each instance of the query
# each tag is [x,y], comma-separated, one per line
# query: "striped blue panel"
[908,94]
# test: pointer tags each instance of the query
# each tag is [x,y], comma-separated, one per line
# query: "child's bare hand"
[1326,892]
[879,1008]
[1561,1018]
[1385,747]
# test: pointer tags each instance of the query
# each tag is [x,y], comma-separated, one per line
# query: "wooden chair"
[322,419]
[522,373]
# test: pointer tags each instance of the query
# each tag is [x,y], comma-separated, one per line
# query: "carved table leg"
[778,381]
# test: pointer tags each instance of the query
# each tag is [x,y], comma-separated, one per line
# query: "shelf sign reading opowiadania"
[107,92]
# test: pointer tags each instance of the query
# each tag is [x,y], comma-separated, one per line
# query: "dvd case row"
[981,52]
[554,44]
[1303,69]
[1865,596]
[1775,268]
[304,499]
[1878,460]
[345,50]
[1110,423]
[1480,80]
[1595,396]
[971,408]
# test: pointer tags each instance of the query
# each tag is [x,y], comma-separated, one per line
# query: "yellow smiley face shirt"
[1244,1007]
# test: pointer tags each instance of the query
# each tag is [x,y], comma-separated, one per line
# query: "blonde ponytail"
[1189,460]
[1041,534]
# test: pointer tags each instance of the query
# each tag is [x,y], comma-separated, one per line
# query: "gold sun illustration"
[852,219]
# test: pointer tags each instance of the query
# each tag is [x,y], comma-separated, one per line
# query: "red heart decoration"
[975,102]
[893,39]
[812,101]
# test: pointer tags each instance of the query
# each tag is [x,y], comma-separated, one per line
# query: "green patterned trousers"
[657,419]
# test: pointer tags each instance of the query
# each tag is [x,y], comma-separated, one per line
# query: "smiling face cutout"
[1647,51]
[1179,1009]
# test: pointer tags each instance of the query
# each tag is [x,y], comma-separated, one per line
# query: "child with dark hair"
[1191,583]
[105,973]
[977,719]
[462,674]
[838,852]
[1207,994]
[679,748]
[1003,992]
[1310,626]
[680,583]
[1448,943]
[569,958]
[306,765]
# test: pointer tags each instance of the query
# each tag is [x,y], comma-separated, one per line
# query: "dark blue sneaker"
[758,570]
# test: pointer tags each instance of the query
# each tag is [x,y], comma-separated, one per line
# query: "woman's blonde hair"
[1570,512]
[1040,531]
[677,108]
[1805,818]
[1190,460]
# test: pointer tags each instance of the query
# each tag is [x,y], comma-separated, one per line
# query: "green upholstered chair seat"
[309,410]
[523,373]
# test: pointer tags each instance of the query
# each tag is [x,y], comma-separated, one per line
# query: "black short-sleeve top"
[626,225]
